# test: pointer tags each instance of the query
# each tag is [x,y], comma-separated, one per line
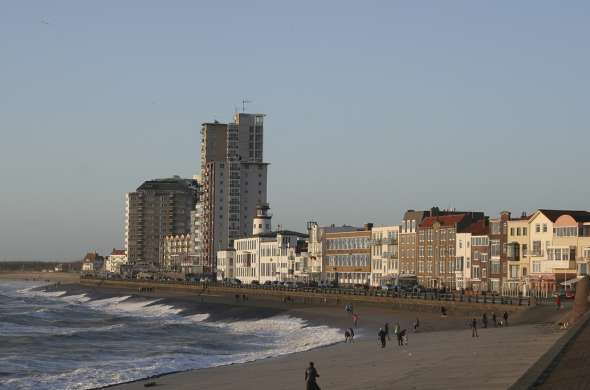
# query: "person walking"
[416,325]
[351,331]
[386,329]
[396,329]
[404,337]
[505,318]
[381,336]
[558,302]
[400,338]
[495,319]
[484,320]
[474,328]
[346,336]
[443,311]
[311,374]
[355,320]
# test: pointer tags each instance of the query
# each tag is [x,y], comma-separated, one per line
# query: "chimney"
[368,226]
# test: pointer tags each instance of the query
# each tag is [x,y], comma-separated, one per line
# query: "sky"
[373,107]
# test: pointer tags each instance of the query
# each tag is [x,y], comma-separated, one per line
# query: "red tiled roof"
[445,220]
[120,252]
[477,228]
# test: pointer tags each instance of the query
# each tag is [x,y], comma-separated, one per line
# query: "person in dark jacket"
[386,329]
[474,328]
[484,320]
[494,320]
[505,318]
[381,336]
[310,378]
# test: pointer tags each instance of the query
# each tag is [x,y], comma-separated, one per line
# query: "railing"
[370,292]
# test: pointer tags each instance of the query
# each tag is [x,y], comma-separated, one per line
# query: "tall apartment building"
[234,182]
[156,209]
[516,256]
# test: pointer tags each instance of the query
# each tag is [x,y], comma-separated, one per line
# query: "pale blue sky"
[373,108]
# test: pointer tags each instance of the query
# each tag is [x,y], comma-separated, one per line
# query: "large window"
[537,248]
[495,228]
[495,267]
[537,266]
[569,231]
[495,248]
[479,241]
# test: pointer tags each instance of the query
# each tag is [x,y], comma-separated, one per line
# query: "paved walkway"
[572,369]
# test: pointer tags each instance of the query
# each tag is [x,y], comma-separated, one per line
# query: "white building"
[92,262]
[267,255]
[384,254]
[462,260]
[114,261]
[225,264]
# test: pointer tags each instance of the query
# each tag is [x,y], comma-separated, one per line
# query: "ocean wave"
[16,330]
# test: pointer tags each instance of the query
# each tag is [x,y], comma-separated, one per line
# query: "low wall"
[306,297]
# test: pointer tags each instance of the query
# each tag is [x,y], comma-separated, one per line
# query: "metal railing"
[370,292]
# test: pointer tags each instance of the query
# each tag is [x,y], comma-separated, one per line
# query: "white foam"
[197,317]
[8,329]
[76,298]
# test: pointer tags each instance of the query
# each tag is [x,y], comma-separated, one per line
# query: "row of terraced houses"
[442,249]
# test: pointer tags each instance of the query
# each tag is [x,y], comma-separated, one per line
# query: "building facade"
[348,256]
[156,209]
[385,263]
[176,252]
[437,246]
[234,179]
[115,260]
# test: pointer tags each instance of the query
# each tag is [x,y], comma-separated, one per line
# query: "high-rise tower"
[234,179]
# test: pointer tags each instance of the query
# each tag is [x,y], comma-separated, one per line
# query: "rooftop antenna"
[244,102]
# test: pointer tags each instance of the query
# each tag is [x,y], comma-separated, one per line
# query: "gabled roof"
[578,215]
[445,220]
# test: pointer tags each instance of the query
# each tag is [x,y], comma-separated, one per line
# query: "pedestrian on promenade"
[396,329]
[347,336]
[416,324]
[484,320]
[381,336]
[474,328]
[558,302]
[351,331]
[355,320]
[404,335]
[400,338]
[495,319]
[505,318]
[386,329]
[310,378]
[443,311]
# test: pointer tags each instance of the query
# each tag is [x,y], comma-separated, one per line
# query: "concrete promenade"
[434,360]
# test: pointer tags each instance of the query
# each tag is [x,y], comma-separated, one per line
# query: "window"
[514,271]
[544,228]
[475,272]
[511,231]
[536,248]
[518,231]
[586,253]
[495,248]
[524,231]
[495,267]
[537,266]
[484,273]
[538,228]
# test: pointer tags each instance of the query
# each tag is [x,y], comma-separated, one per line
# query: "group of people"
[503,321]
[400,334]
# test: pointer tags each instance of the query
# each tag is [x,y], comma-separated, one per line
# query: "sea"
[58,338]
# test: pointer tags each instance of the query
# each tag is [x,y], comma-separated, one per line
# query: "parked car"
[205,279]
[291,285]
[327,284]
[255,282]
[388,287]
[268,283]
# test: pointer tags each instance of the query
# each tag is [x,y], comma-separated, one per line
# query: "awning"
[570,282]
